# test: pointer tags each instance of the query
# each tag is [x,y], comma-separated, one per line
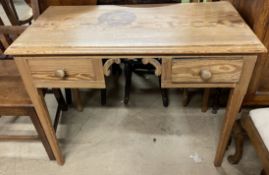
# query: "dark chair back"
[11,12]
[8,34]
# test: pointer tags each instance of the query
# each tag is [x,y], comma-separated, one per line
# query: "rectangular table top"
[167,29]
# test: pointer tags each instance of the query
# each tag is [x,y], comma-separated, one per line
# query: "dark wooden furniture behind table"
[44,4]
[256,14]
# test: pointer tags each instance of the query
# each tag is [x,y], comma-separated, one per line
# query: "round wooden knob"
[205,74]
[60,73]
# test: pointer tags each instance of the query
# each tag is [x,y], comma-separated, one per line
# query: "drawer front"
[201,70]
[67,72]
[197,70]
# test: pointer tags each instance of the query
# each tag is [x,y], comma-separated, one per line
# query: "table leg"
[234,104]
[40,107]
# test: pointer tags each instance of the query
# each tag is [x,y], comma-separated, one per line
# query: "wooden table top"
[171,29]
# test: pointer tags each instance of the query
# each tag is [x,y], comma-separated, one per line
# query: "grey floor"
[143,138]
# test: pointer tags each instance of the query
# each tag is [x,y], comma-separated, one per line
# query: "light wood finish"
[40,107]
[183,72]
[155,63]
[108,64]
[80,72]
[211,70]
[10,99]
[234,104]
[256,14]
[148,31]
[14,101]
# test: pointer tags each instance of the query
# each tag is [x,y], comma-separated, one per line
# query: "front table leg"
[235,101]
[40,107]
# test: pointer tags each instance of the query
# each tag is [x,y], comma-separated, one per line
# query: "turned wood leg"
[205,102]
[128,81]
[103,97]
[68,96]
[77,99]
[238,135]
[41,134]
[164,93]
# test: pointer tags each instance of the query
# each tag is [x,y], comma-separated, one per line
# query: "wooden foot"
[239,135]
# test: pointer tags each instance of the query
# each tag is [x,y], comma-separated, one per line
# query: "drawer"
[202,70]
[67,72]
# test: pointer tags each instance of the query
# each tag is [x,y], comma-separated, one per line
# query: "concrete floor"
[143,138]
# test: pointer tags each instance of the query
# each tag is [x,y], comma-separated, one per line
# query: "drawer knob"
[205,74]
[60,73]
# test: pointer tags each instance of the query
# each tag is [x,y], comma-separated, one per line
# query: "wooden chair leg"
[205,102]
[103,97]
[128,81]
[42,135]
[60,99]
[239,135]
[164,93]
[186,97]
[68,96]
[77,99]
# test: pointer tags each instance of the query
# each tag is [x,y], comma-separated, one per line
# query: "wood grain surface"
[222,71]
[77,72]
[195,28]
